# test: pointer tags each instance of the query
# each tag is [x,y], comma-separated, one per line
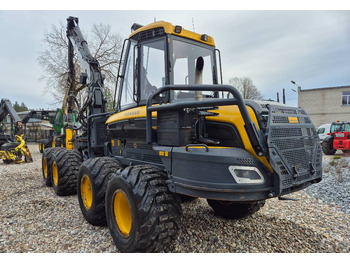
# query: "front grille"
[133,155]
[153,159]
[279,110]
[246,161]
[298,157]
[286,132]
[295,153]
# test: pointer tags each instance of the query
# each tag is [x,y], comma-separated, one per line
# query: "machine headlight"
[246,175]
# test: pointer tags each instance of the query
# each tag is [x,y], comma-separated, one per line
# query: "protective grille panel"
[285,132]
[294,147]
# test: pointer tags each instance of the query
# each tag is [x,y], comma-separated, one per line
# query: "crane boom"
[91,72]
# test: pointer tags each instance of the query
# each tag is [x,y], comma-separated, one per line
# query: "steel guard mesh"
[295,151]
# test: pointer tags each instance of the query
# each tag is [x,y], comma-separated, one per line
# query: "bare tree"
[104,45]
[246,87]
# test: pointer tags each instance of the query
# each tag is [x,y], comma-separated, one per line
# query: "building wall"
[324,105]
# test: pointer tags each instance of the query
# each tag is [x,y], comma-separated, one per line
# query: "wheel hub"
[86,192]
[45,167]
[54,173]
[122,213]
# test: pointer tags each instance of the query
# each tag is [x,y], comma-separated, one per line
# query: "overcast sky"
[271,47]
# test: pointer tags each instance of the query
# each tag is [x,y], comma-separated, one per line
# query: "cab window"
[347,127]
[152,73]
[126,97]
[185,56]
[192,63]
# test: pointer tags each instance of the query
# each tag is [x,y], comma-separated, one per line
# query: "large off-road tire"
[235,210]
[47,143]
[41,150]
[46,165]
[65,169]
[327,147]
[142,214]
[43,144]
[93,178]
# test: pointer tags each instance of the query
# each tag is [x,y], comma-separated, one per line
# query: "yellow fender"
[24,149]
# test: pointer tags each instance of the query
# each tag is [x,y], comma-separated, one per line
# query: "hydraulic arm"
[91,75]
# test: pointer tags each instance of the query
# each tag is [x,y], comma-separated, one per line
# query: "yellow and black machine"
[178,133]
[13,147]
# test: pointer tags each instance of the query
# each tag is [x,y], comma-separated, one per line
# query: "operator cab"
[162,54]
[340,126]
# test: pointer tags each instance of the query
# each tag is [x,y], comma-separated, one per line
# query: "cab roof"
[161,27]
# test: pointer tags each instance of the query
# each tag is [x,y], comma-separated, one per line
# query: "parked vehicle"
[323,131]
[13,147]
[337,139]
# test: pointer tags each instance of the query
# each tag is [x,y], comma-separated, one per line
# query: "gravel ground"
[334,189]
[34,219]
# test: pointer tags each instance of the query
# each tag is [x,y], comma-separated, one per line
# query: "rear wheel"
[47,143]
[142,214]
[235,210]
[41,146]
[46,164]
[93,178]
[65,169]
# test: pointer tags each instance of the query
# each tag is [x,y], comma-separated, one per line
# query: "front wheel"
[327,147]
[235,210]
[142,214]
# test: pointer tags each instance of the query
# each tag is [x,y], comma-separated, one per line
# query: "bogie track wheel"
[142,214]
[93,178]
[46,164]
[65,169]
[41,150]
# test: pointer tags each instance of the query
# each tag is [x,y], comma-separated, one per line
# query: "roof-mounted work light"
[204,38]
[178,29]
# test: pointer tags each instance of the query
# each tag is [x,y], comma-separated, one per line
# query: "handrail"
[254,135]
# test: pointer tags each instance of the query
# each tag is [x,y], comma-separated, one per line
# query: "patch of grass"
[332,163]
[337,157]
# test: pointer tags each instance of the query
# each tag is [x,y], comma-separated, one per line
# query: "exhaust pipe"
[198,95]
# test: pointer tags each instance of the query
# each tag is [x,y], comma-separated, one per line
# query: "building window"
[346,98]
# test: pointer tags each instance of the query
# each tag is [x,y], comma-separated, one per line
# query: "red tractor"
[337,139]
